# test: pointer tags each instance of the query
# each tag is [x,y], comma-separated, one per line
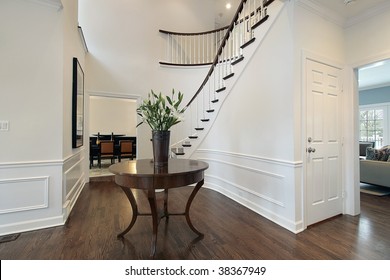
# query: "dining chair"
[106,151]
[125,149]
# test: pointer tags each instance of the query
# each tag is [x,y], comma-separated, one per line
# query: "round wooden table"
[142,174]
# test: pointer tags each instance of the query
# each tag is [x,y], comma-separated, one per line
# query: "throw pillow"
[383,155]
[372,154]
[388,154]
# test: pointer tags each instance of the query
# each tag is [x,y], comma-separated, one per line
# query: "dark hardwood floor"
[232,232]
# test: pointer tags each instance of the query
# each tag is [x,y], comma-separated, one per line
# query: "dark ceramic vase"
[160,140]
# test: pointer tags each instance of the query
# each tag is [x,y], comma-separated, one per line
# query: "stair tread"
[221,89]
[238,60]
[199,128]
[247,43]
[260,22]
[205,120]
[193,137]
[210,110]
[215,100]
[228,76]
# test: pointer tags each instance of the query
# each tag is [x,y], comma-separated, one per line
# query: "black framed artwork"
[77,105]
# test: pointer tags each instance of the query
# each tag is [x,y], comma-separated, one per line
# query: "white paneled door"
[323,142]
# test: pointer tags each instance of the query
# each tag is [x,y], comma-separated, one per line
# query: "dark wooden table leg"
[134,208]
[189,202]
[153,209]
[166,215]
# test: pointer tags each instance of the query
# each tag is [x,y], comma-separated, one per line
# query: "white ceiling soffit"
[374,75]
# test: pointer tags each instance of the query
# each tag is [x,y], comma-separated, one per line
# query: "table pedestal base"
[154,213]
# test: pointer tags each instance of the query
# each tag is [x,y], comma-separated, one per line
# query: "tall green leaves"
[161,112]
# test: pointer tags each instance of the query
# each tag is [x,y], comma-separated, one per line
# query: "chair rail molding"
[293,164]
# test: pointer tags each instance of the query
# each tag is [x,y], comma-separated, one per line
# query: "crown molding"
[334,17]
[322,11]
[370,13]
[56,4]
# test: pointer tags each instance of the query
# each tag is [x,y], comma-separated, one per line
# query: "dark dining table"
[144,175]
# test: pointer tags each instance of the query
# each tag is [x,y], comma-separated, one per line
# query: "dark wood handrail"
[193,34]
[220,49]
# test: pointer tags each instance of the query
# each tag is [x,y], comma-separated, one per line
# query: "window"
[374,125]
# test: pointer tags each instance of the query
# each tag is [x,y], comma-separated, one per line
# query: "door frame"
[106,94]
[307,55]
[352,206]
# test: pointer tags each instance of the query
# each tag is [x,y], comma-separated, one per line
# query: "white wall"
[250,148]
[40,174]
[31,81]
[125,47]
[109,115]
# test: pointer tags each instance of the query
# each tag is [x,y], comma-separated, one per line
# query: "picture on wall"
[77,105]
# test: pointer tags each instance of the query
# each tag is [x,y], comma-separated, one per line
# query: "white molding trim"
[113,94]
[292,226]
[80,151]
[80,179]
[31,225]
[370,13]
[82,38]
[31,163]
[339,20]
[258,171]
[322,11]
[56,4]
[242,188]
[293,164]
[43,179]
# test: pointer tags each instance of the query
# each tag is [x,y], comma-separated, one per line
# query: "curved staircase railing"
[239,34]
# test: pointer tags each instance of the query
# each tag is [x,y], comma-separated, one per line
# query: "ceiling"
[223,16]
[353,8]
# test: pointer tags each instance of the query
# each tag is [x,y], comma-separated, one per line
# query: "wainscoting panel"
[30,196]
[266,186]
[40,194]
[74,180]
[24,194]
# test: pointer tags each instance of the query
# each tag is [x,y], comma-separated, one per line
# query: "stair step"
[178,151]
[248,43]
[210,110]
[215,100]
[228,76]
[193,137]
[199,128]
[221,89]
[186,145]
[260,22]
[205,120]
[237,60]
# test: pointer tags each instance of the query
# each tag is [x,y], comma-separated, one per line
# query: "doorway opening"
[110,119]
[374,126]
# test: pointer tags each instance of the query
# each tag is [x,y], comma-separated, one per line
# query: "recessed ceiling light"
[228,6]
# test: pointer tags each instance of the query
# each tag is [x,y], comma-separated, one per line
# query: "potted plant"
[161,112]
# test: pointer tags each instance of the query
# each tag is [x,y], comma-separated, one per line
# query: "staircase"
[248,28]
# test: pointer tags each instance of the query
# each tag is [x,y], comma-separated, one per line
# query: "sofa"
[375,169]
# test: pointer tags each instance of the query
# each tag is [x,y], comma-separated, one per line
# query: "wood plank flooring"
[232,232]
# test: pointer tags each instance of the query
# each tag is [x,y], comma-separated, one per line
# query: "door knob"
[311,150]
